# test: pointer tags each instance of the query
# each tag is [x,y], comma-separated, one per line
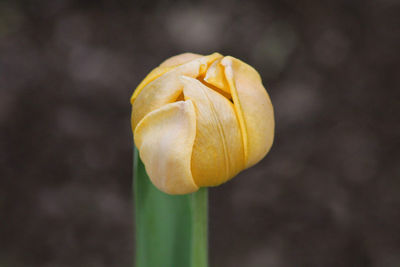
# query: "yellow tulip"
[200,120]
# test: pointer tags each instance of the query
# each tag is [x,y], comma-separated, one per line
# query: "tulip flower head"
[200,120]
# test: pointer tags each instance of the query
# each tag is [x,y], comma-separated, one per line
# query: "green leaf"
[171,231]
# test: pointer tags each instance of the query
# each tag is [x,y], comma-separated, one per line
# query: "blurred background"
[328,194]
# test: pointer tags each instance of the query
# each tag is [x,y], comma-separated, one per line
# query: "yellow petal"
[174,62]
[215,75]
[167,65]
[254,109]
[165,139]
[156,94]
[179,59]
[154,74]
[218,150]
[167,88]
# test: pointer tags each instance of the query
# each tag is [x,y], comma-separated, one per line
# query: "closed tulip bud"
[200,120]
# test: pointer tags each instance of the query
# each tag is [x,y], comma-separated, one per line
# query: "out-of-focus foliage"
[328,194]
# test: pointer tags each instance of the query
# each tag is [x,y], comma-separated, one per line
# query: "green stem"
[171,231]
[199,256]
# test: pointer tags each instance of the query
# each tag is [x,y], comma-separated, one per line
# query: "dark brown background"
[328,194]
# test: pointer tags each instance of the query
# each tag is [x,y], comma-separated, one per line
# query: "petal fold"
[253,107]
[215,76]
[218,150]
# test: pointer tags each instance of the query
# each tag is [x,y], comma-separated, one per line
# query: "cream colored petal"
[165,139]
[167,88]
[253,107]
[218,150]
